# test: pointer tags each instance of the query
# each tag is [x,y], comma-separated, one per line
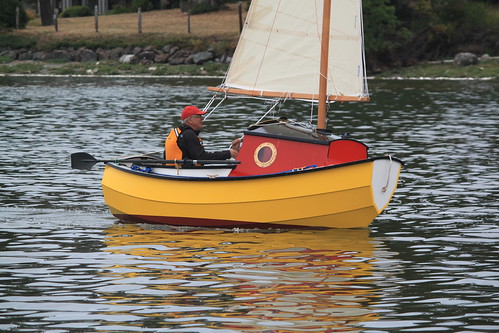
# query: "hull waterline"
[341,196]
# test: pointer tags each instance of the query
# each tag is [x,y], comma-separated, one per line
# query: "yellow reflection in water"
[291,281]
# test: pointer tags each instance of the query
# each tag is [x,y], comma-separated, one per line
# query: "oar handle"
[84,161]
[184,161]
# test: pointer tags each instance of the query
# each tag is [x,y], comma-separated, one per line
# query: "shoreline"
[220,77]
[443,70]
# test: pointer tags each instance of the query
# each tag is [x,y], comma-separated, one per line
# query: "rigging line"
[208,105]
[311,111]
[216,106]
[270,110]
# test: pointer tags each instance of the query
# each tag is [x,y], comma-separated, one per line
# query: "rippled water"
[428,263]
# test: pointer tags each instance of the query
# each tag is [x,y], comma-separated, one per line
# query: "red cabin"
[280,146]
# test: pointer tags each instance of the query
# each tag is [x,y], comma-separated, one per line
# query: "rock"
[146,55]
[484,57]
[87,55]
[11,54]
[137,50]
[116,53]
[166,49]
[127,58]
[146,62]
[201,57]
[102,54]
[25,56]
[174,50]
[128,50]
[177,61]
[161,58]
[465,59]
[179,57]
[39,55]
[60,54]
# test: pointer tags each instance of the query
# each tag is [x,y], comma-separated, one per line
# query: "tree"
[442,28]
[384,32]
[46,12]
[8,14]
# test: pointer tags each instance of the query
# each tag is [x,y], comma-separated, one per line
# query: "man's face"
[196,122]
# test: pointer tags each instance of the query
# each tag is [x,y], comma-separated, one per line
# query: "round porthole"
[265,154]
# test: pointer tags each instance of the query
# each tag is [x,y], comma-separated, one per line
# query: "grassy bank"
[218,31]
[484,70]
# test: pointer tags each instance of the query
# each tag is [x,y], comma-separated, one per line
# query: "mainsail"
[278,54]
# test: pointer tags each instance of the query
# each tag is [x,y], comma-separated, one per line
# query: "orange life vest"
[172,151]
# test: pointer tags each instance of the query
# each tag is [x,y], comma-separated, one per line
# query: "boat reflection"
[247,281]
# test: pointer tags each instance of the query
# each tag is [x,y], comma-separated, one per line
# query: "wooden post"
[17,18]
[188,21]
[139,14]
[240,17]
[326,22]
[56,24]
[96,18]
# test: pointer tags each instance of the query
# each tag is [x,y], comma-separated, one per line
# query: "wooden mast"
[326,22]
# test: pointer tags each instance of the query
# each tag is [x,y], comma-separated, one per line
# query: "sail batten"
[279,51]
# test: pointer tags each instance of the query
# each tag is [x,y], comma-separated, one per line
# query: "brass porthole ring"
[265,154]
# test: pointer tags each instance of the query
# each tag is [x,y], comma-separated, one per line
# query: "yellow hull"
[343,196]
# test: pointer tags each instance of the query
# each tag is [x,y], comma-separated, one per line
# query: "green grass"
[22,68]
[5,59]
[488,69]
[17,41]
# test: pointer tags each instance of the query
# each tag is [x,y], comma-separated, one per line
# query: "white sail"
[279,51]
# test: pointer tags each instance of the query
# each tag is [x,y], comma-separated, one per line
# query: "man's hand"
[236,144]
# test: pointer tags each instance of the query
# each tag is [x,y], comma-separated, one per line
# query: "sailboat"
[287,174]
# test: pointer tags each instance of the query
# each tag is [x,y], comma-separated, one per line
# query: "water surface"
[428,263]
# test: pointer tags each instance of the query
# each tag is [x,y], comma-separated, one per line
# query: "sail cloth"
[279,51]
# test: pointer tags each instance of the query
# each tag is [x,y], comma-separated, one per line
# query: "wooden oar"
[84,161]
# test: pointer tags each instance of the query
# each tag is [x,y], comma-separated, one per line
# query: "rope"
[216,106]
[384,188]
[270,110]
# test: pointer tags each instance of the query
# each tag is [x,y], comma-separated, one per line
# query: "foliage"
[5,59]
[118,9]
[8,14]
[382,27]
[77,11]
[144,5]
[442,28]
[203,7]
[16,41]
[405,32]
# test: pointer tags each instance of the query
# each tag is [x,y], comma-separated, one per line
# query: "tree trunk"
[46,12]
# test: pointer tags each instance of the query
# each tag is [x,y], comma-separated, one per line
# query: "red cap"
[190,111]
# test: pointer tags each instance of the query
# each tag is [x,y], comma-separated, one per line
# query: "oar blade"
[82,161]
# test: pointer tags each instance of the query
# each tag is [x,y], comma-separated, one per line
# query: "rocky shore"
[174,60]
[149,55]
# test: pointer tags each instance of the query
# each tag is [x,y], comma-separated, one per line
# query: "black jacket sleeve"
[191,148]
